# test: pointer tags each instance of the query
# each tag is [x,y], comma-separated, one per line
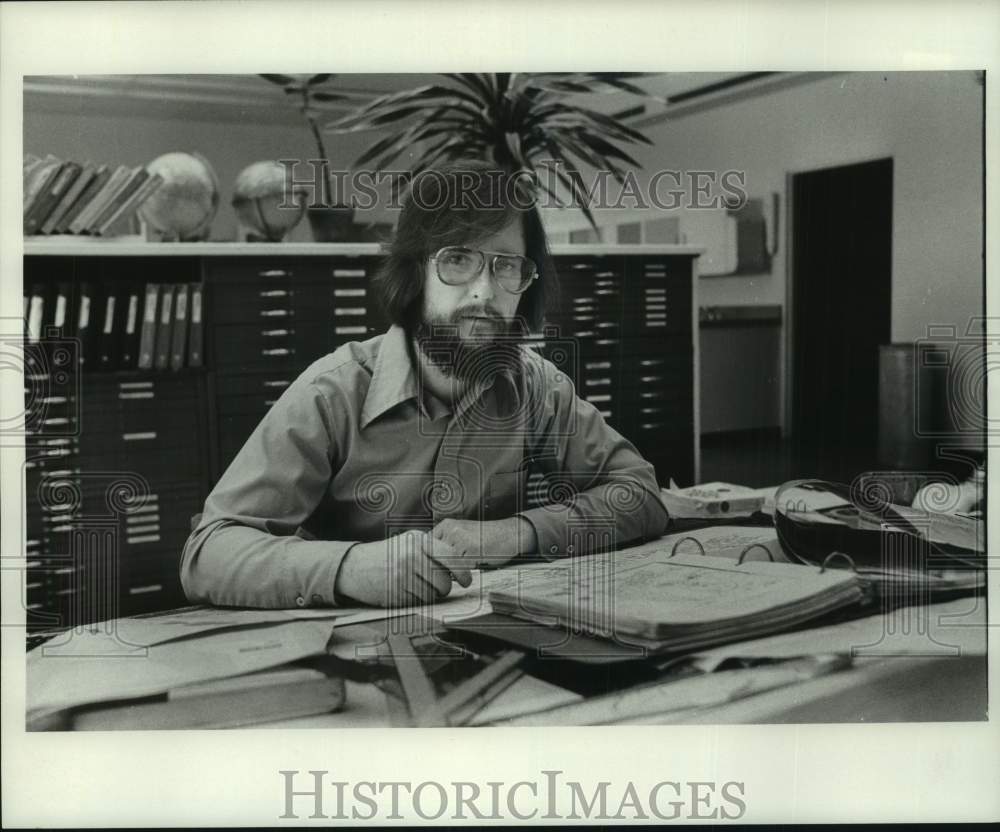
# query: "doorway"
[840,295]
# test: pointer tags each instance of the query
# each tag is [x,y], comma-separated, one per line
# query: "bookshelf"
[134,452]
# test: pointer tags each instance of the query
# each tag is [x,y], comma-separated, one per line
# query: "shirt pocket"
[506,494]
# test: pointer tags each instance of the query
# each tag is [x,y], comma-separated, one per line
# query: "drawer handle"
[650,362]
[139,436]
[602,397]
[596,382]
[276,383]
[275,293]
[651,425]
[276,333]
[648,379]
[349,293]
[275,273]
[348,272]
[135,385]
[598,365]
[350,330]
[276,313]
[606,342]
[279,351]
[143,394]
[350,310]
[586,333]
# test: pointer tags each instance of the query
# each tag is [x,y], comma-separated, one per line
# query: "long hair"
[455,205]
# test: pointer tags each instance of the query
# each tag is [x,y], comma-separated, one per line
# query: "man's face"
[461,322]
[480,306]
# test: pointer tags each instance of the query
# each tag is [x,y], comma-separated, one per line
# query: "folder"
[164,327]
[147,335]
[68,198]
[196,339]
[62,309]
[180,333]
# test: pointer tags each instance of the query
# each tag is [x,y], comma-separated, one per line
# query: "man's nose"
[482,284]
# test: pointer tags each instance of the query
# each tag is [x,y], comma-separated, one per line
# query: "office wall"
[930,123]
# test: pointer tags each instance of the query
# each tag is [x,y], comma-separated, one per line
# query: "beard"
[490,349]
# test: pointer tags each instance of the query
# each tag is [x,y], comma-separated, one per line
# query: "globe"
[183,207]
[260,203]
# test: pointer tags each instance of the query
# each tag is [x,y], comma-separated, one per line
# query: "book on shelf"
[164,327]
[38,174]
[179,337]
[127,206]
[90,190]
[87,172]
[37,305]
[125,191]
[147,334]
[83,220]
[50,194]
[196,338]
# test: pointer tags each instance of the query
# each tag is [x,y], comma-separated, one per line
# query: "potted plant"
[329,222]
[512,119]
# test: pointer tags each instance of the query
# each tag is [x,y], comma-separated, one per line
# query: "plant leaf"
[319,79]
[280,80]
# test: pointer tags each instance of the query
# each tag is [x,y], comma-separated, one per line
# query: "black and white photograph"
[391,438]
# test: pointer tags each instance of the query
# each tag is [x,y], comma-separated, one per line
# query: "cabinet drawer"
[267,344]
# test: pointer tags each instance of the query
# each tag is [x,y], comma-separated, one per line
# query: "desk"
[910,664]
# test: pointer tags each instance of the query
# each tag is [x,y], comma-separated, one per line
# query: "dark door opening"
[840,311]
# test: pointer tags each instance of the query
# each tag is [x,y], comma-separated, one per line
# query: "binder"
[110,326]
[180,334]
[36,312]
[662,601]
[147,335]
[196,339]
[164,327]
[133,299]
[62,318]
[86,328]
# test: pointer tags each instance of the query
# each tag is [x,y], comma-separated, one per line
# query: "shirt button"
[569,550]
[553,549]
[317,599]
[300,601]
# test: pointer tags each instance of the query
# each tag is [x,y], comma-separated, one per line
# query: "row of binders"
[67,197]
[121,326]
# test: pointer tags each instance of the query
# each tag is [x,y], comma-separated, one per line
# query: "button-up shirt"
[355,451]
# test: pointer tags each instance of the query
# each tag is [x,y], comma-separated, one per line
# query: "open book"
[670,602]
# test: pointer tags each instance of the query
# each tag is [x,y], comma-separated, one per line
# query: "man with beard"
[392,467]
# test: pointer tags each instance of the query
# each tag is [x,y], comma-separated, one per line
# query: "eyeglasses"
[457,265]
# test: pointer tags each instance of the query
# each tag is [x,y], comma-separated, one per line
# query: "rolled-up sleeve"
[604,494]
[245,550]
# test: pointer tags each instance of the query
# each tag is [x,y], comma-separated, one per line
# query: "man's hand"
[399,571]
[476,545]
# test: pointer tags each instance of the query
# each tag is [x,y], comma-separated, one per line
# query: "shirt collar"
[393,378]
